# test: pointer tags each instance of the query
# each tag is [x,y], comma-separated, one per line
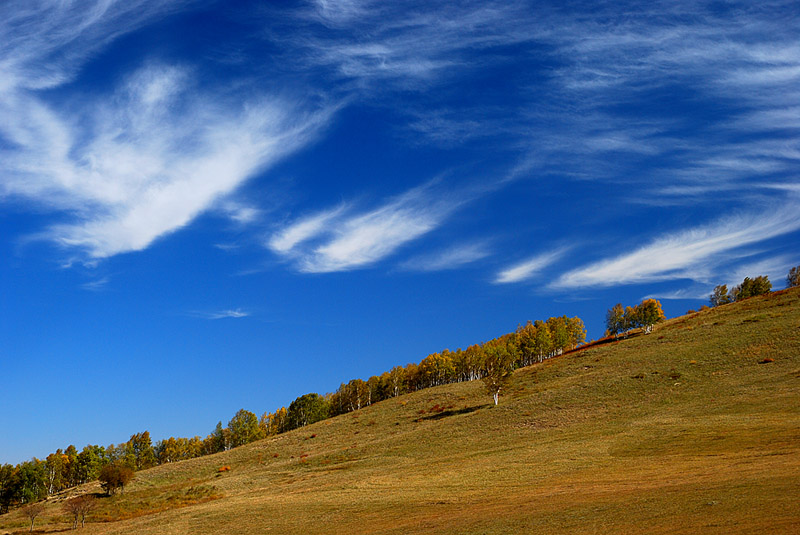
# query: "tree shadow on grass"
[454,412]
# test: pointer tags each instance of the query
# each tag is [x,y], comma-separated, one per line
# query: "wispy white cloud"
[689,254]
[96,285]
[44,43]
[693,292]
[162,172]
[531,267]
[741,62]
[451,258]
[222,314]
[408,45]
[304,229]
[227,246]
[340,12]
[340,240]
[241,213]
[143,161]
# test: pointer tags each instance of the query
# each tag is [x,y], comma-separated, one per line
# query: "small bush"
[114,477]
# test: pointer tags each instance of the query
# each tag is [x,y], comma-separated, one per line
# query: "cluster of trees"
[78,508]
[114,465]
[621,320]
[36,479]
[748,288]
[532,342]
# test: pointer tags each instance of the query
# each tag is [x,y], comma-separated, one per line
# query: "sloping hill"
[694,428]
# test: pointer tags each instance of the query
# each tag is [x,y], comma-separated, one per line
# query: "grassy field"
[690,429]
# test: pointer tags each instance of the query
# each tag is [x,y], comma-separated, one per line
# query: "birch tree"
[497,368]
[32,511]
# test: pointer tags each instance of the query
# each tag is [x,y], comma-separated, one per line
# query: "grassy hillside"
[685,430]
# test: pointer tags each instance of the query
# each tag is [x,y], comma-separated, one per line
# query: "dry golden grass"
[681,431]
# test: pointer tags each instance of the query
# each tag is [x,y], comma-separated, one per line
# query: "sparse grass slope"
[685,430]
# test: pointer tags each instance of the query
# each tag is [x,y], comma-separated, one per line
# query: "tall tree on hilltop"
[542,342]
[577,331]
[306,410]
[412,377]
[630,320]
[139,451]
[167,450]
[793,278]
[376,390]
[559,334]
[56,471]
[752,287]
[71,468]
[720,296]
[648,313]
[32,480]
[8,487]
[216,441]
[244,428]
[497,366]
[90,460]
[470,363]
[397,381]
[274,422]
[615,320]
[526,335]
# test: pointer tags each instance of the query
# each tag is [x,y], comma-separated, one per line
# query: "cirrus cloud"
[687,254]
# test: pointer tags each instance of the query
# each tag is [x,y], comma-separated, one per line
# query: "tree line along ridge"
[492,362]
[35,480]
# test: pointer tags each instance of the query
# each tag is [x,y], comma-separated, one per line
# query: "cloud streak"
[451,258]
[688,254]
[234,313]
[127,165]
[343,239]
[529,268]
[408,45]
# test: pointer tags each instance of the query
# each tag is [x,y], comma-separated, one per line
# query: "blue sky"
[208,206]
